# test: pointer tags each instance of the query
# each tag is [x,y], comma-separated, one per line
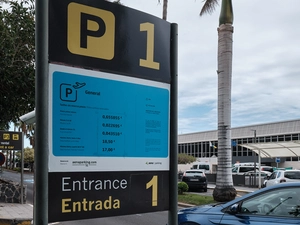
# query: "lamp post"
[254,158]
[259,164]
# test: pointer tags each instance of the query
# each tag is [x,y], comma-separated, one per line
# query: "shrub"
[185,159]
[182,187]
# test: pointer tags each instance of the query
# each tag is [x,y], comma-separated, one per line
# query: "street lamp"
[28,119]
[259,163]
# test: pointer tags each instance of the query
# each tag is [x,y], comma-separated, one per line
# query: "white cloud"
[266,55]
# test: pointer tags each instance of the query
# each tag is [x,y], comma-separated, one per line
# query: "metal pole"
[22,170]
[259,166]
[40,215]
[173,202]
[259,170]
[254,158]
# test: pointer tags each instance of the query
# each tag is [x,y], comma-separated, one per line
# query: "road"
[136,219]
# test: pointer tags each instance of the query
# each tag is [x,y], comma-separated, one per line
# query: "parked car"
[281,176]
[195,179]
[262,173]
[267,169]
[244,169]
[278,204]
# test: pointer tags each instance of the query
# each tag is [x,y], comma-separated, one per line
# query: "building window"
[295,137]
[274,138]
[281,138]
[287,137]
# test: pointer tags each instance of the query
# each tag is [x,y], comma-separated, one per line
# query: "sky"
[266,61]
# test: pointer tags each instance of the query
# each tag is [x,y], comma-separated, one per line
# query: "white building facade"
[204,145]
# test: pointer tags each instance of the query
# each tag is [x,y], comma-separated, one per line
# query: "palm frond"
[209,6]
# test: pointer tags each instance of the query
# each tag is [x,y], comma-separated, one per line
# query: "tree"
[184,159]
[165,7]
[17,70]
[224,190]
[28,130]
[28,156]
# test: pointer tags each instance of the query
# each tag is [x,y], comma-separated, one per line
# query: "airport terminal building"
[278,144]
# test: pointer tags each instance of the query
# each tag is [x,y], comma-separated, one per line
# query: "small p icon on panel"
[91,31]
[68,93]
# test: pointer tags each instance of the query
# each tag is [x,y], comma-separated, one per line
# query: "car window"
[245,169]
[203,167]
[278,174]
[273,176]
[194,173]
[284,202]
[194,166]
[269,169]
[292,174]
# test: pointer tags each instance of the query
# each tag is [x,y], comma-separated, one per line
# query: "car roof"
[257,171]
[196,171]
[284,171]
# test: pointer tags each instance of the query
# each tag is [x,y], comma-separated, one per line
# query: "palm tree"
[224,190]
[165,7]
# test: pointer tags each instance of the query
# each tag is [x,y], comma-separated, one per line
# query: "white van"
[242,169]
[205,167]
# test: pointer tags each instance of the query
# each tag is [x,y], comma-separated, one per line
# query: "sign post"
[11,141]
[112,119]
[277,160]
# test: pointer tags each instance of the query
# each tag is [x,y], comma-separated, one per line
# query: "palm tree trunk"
[224,190]
[165,7]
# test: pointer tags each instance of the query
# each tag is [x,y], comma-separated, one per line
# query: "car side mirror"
[234,209]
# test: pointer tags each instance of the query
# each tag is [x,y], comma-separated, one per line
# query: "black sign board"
[81,195]
[109,37]
[10,140]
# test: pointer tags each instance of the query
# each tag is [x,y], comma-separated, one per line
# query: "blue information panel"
[94,115]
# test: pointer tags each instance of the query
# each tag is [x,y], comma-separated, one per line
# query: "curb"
[185,205]
[15,221]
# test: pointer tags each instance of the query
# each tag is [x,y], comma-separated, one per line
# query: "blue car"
[278,204]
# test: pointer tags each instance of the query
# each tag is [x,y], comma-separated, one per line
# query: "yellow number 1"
[153,183]
[149,61]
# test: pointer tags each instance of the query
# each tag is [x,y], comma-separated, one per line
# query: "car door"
[280,206]
[272,179]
